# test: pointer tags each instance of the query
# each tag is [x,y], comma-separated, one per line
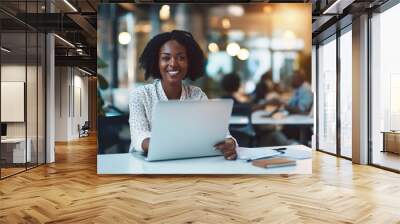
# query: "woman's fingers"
[228,150]
[230,154]
[232,157]
[227,147]
[220,144]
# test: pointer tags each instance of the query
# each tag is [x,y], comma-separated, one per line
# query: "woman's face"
[173,62]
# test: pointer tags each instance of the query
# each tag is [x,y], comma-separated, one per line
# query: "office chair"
[84,130]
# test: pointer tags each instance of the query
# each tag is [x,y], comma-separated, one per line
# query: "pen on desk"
[280,150]
[263,157]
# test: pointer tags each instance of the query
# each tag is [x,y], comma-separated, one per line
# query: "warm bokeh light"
[267,9]
[243,54]
[226,23]
[233,49]
[213,47]
[124,38]
[164,12]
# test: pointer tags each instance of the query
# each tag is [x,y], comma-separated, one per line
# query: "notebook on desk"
[274,162]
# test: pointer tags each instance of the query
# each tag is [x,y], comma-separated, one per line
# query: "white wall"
[71,94]
[61,103]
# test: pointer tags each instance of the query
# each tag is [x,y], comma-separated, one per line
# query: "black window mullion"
[369,96]
[0,94]
[26,86]
[338,95]
[317,97]
[37,90]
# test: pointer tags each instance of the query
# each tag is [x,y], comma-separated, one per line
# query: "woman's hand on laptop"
[228,148]
[145,145]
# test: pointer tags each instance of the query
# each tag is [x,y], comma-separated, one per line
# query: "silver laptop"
[188,129]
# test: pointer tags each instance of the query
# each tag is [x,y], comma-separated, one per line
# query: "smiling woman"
[168,58]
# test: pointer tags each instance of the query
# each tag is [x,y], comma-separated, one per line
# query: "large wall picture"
[204,88]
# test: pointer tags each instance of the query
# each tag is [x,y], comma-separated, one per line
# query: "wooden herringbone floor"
[70,191]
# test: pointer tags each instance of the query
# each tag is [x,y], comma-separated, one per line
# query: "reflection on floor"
[387,159]
[10,169]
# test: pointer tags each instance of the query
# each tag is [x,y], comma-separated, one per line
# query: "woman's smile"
[173,72]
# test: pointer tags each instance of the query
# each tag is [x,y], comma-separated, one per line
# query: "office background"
[340,190]
[47,81]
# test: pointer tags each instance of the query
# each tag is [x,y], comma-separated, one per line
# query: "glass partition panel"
[13,86]
[346,94]
[385,89]
[22,64]
[327,97]
[31,98]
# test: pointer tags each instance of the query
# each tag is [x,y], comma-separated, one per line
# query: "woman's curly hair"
[150,56]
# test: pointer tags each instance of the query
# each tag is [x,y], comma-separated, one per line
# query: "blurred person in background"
[302,99]
[266,135]
[301,102]
[230,84]
[265,89]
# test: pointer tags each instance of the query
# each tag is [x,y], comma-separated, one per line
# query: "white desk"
[258,118]
[18,150]
[127,163]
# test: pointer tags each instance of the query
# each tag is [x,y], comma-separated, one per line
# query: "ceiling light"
[337,7]
[70,5]
[5,50]
[124,38]
[243,54]
[79,51]
[213,47]
[65,41]
[84,71]
[164,12]
[233,49]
